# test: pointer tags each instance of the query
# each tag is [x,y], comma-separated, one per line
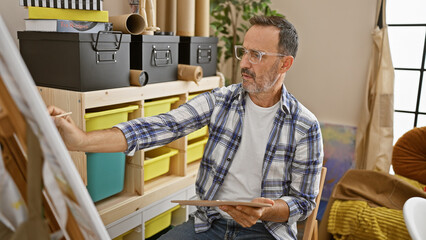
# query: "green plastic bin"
[105,174]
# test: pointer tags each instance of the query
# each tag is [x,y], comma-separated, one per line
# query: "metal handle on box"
[97,46]
[105,57]
[204,54]
[161,57]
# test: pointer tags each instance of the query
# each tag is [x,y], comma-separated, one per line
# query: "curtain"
[374,138]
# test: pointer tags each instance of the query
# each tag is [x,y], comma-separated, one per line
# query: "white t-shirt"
[244,178]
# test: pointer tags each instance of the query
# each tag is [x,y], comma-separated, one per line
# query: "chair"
[414,212]
[311,225]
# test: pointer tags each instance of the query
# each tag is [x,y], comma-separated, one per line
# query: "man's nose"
[244,62]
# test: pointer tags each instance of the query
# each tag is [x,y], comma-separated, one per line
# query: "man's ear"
[286,63]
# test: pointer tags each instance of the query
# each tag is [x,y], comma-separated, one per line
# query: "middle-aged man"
[264,146]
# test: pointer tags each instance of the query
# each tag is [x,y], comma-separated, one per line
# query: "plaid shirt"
[292,161]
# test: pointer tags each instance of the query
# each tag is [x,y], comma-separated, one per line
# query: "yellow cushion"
[356,220]
[412,182]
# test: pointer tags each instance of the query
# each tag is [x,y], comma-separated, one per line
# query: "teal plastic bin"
[105,174]
[105,171]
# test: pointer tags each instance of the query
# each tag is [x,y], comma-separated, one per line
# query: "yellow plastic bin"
[157,162]
[155,107]
[195,150]
[198,133]
[108,118]
[191,96]
[133,234]
[159,222]
[121,237]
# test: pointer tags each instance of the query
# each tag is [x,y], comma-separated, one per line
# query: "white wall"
[329,74]
[330,70]
[13,15]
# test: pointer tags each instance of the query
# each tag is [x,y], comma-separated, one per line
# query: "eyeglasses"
[254,56]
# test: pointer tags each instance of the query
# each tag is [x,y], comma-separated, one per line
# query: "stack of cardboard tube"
[184,17]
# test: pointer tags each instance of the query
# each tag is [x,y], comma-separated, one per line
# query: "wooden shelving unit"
[137,194]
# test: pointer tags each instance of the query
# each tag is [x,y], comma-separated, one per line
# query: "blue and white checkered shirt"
[293,155]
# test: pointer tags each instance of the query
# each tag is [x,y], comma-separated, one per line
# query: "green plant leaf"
[244,27]
[267,11]
[255,6]
[224,31]
[247,8]
[238,40]
[225,39]
[213,27]
[219,52]
[216,24]
[240,29]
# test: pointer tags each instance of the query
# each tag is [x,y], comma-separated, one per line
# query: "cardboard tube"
[138,78]
[185,18]
[129,23]
[171,16]
[161,14]
[190,73]
[202,18]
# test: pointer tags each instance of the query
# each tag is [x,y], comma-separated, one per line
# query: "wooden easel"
[23,160]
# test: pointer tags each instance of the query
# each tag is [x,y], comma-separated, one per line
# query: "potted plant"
[231,22]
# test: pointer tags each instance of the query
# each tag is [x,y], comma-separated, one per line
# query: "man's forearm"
[277,213]
[108,140]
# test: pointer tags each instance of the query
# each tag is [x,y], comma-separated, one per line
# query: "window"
[407,38]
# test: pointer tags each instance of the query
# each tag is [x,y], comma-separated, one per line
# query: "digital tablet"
[211,203]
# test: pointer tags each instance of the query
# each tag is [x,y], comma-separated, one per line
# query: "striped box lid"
[65,4]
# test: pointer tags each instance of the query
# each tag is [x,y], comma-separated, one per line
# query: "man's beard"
[254,88]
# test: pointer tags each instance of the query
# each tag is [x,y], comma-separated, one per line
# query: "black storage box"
[200,51]
[157,55]
[77,61]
